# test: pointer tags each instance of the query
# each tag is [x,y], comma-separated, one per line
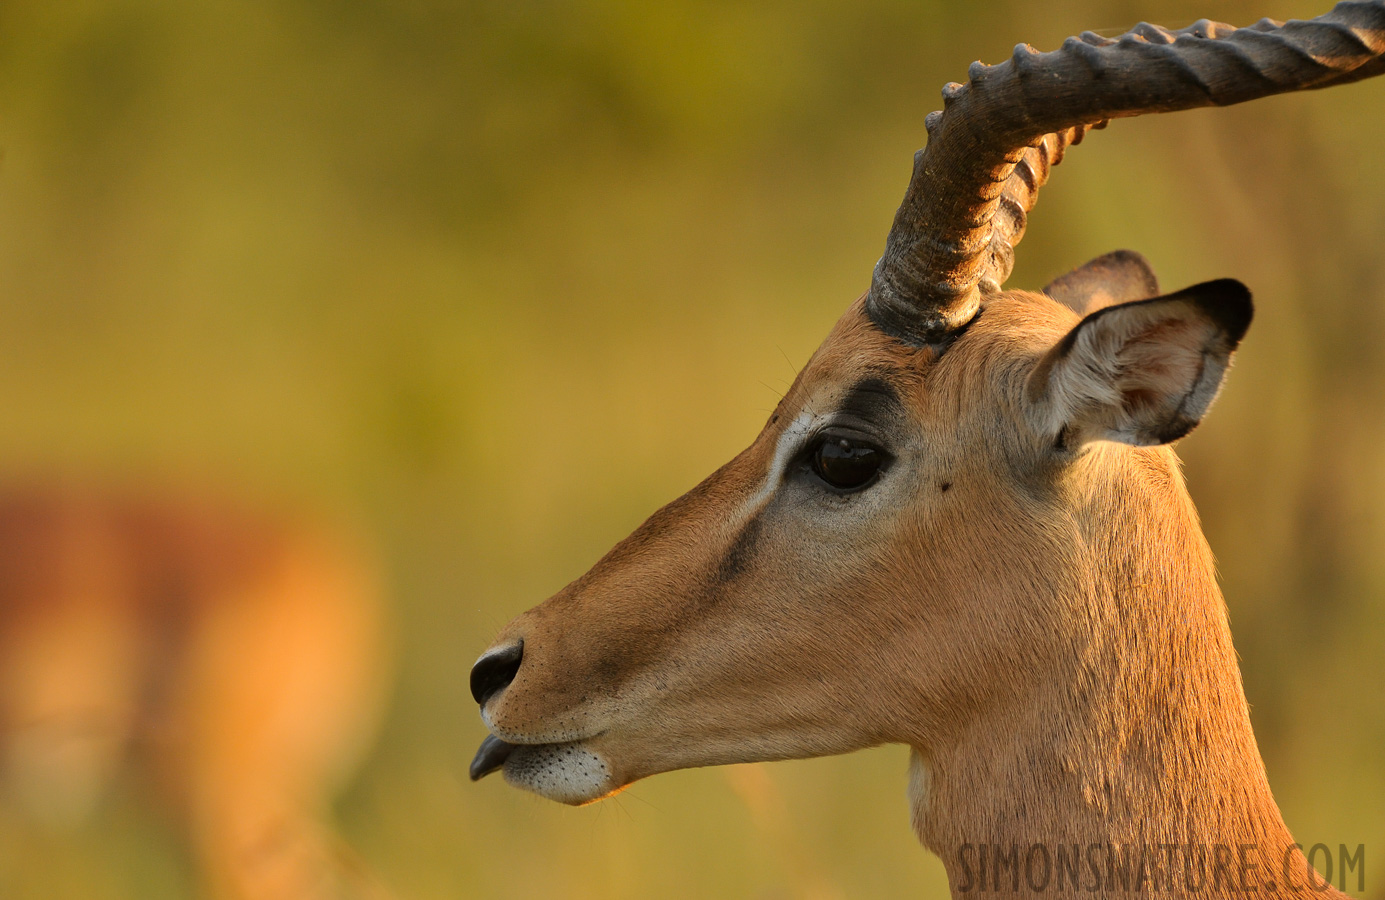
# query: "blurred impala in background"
[237,655]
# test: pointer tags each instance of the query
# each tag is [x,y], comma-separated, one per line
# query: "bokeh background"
[502,276]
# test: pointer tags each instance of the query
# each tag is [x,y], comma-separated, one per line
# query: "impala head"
[930,523]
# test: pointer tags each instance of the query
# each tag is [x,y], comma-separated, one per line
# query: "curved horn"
[990,148]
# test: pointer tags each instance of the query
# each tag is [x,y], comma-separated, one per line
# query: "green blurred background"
[507,275]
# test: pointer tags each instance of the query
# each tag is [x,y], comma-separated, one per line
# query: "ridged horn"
[991,146]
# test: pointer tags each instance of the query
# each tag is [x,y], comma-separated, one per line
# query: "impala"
[240,652]
[963,528]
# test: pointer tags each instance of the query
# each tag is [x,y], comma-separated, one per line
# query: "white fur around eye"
[790,442]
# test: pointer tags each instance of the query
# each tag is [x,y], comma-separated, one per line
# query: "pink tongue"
[491,756]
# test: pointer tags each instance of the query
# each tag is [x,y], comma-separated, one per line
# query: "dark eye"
[845,464]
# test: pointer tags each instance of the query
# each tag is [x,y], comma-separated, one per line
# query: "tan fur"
[1116,277]
[1045,631]
[239,653]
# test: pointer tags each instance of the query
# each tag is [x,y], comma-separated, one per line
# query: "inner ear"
[1120,276]
[1140,373]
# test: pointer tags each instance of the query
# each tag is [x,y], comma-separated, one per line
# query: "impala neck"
[1141,750]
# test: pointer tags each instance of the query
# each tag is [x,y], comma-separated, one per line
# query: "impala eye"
[845,464]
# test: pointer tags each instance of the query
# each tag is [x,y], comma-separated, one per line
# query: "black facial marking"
[871,399]
[945,486]
[737,558]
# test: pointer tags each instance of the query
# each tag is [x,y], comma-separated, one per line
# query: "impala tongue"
[489,757]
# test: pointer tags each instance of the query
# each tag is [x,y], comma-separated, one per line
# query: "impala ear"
[1141,373]
[1118,277]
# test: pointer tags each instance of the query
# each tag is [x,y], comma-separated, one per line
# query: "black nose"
[494,672]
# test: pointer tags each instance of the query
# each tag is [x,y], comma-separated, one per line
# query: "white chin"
[567,773]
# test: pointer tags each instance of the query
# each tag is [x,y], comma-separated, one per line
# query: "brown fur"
[1042,626]
[1116,277]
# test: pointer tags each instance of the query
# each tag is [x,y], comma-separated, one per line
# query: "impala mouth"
[490,756]
[569,772]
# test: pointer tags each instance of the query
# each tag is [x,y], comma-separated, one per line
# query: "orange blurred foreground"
[238,654]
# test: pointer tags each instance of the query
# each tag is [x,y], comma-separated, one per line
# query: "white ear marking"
[1141,373]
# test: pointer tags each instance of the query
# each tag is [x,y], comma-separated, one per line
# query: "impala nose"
[494,671]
